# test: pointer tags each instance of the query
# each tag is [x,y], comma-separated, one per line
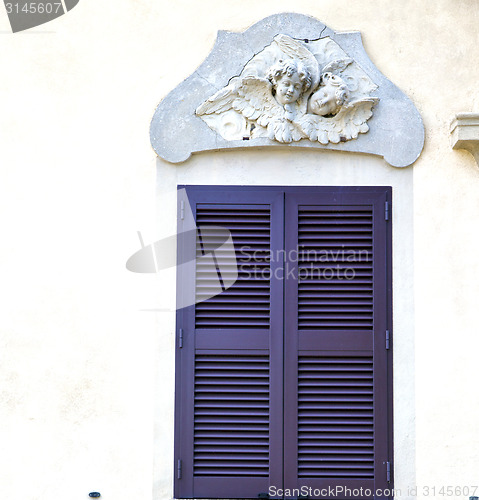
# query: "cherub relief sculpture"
[283,95]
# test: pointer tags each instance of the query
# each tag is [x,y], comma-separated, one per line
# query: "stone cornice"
[465,133]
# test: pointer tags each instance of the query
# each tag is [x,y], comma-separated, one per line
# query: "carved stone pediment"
[288,80]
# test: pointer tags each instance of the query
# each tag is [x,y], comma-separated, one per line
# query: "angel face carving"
[329,98]
[288,89]
[282,95]
[290,79]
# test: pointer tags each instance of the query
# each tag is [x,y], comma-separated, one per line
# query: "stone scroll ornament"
[288,81]
[289,92]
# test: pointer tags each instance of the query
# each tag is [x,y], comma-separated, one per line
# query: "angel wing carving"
[347,124]
[255,101]
[221,101]
[295,50]
[337,65]
[353,116]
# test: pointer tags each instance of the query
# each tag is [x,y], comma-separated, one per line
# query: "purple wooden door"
[284,378]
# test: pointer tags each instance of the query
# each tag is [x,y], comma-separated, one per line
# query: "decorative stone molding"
[288,81]
[465,133]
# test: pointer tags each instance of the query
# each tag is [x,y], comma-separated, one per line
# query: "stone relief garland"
[289,92]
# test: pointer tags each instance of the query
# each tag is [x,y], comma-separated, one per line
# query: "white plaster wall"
[85,374]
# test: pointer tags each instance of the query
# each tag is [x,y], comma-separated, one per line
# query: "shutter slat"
[345,230]
[333,455]
[317,439]
[232,427]
[235,397]
[233,458]
[353,325]
[225,436]
[232,365]
[245,323]
[328,425]
[325,283]
[230,419]
[232,451]
[314,303]
[225,301]
[232,471]
[353,396]
[336,463]
[331,390]
[313,290]
[330,360]
[324,414]
[221,313]
[212,444]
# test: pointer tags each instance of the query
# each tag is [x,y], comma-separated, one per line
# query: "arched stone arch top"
[288,81]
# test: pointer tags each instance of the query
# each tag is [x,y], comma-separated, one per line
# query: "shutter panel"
[229,371]
[336,257]
[335,416]
[336,296]
[247,303]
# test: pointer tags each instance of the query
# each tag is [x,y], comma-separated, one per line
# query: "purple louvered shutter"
[284,382]
[228,438]
[336,316]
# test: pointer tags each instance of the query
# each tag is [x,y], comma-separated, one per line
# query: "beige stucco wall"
[86,374]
